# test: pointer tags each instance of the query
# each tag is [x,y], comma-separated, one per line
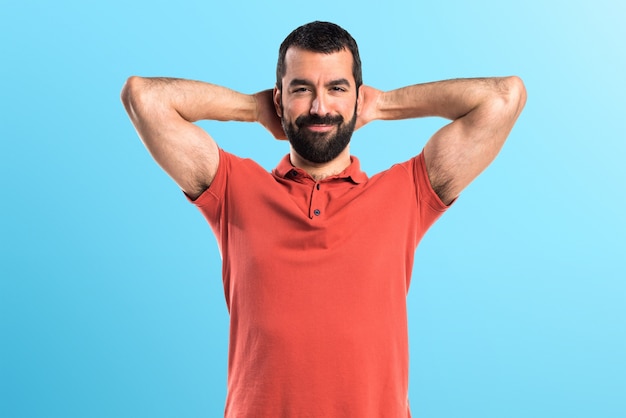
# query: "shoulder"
[415,171]
[232,171]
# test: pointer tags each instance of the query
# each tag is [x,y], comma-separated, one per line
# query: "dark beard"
[319,147]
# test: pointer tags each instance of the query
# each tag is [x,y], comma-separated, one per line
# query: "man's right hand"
[267,115]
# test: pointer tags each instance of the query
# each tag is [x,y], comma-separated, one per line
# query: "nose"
[319,106]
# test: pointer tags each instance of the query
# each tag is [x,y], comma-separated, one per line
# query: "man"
[317,257]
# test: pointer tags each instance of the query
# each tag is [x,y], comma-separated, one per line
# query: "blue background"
[110,294]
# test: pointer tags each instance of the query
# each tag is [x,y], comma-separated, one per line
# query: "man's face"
[318,103]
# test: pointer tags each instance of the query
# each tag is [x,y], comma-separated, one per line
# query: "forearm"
[191,100]
[163,111]
[450,99]
[482,112]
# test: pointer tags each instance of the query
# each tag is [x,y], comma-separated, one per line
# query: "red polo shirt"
[315,277]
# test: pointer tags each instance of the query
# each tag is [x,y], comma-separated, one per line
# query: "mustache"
[305,120]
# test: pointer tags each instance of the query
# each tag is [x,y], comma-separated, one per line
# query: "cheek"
[295,108]
[349,110]
[347,106]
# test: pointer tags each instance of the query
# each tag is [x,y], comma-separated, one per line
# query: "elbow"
[506,99]
[130,92]
[514,94]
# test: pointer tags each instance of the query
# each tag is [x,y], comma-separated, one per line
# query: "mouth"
[319,127]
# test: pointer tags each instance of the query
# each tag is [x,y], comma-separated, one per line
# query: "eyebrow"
[304,82]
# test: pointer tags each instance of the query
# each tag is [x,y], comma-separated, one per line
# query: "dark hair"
[324,37]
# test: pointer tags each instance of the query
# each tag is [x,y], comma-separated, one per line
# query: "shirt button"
[317,186]
[293,173]
[317,212]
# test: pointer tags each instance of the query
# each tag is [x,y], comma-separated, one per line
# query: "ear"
[359,100]
[278,101]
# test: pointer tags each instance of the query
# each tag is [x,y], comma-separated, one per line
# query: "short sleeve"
[210,201]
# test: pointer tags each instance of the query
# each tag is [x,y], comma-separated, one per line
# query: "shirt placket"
[315,203]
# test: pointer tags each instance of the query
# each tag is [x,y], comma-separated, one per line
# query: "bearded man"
[317,256]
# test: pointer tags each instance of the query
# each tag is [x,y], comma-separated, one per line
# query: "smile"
[320,128]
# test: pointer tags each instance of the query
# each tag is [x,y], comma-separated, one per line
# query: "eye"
[300,90]
[338,89]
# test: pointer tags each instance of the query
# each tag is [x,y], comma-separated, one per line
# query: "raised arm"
[483,112]
[163,111]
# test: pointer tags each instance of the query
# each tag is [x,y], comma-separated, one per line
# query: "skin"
[482,114]
[307,90]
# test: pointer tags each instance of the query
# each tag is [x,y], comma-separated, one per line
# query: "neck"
[319,171]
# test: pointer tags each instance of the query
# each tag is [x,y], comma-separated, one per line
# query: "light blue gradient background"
[110,294]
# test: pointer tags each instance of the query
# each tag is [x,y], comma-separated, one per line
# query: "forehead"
[301,63]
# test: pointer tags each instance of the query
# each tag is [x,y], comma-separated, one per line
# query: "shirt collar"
[353,172]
